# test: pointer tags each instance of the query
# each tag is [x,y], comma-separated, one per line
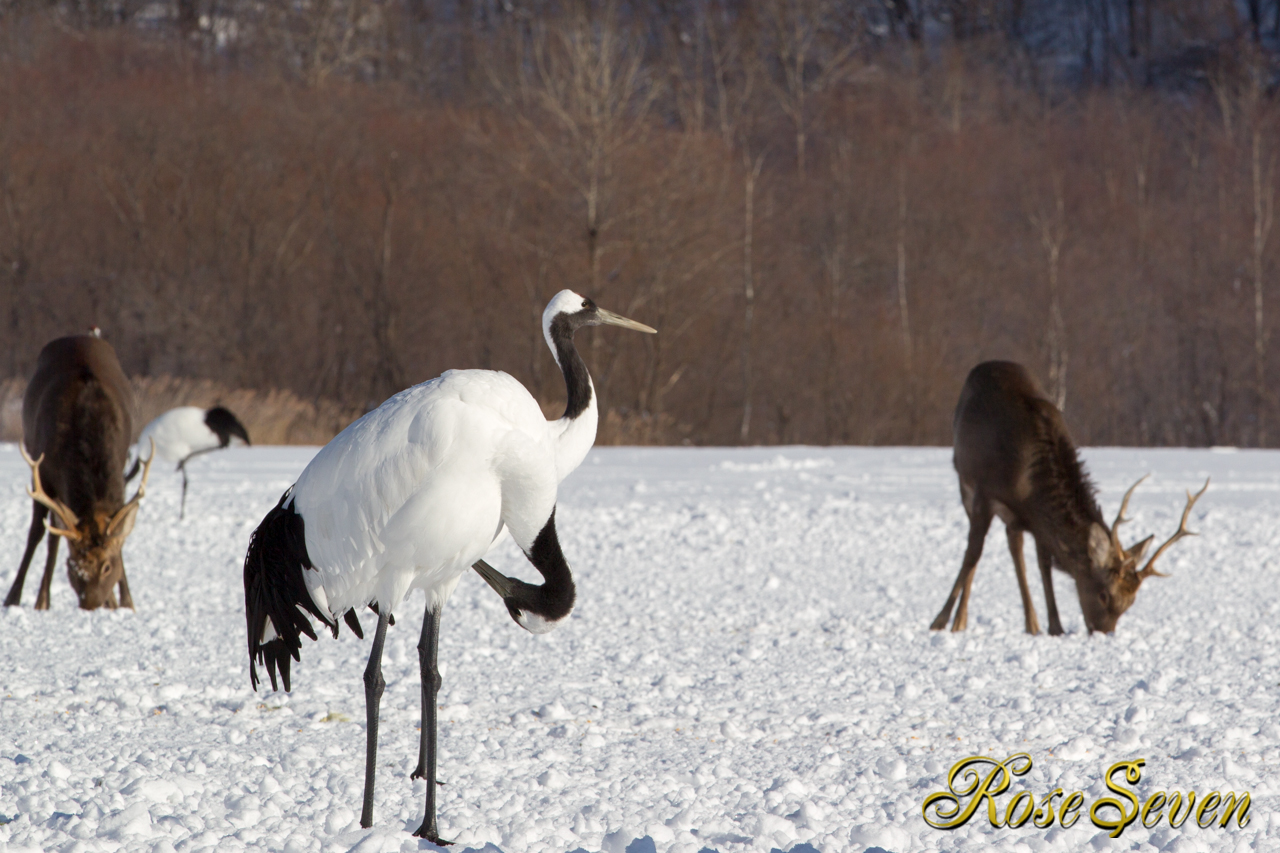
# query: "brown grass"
[346,239]
[282,417]
[271,417]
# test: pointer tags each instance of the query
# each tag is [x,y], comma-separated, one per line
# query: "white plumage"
[178,433]
[187,431]
[412,495]
[183,432]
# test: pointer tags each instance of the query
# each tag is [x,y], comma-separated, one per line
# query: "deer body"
[1015,460]
[77,425]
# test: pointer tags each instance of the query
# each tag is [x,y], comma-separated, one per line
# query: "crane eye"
[586,303]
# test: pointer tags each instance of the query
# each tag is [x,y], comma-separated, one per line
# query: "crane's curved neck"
[577,382]
[539,608]
[575,431]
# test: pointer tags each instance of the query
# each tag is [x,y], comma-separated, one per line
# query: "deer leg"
[38,513]
[51,546]
[1020,568]
[979,524]
[1050,602]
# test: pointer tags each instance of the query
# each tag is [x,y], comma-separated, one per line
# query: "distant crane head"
[225,426]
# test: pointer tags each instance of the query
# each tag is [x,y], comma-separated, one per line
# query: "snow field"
[749,667]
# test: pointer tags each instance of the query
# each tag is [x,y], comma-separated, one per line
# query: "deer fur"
[77,424]
[1015,459]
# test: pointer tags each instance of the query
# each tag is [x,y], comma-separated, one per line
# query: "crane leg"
[428,646]
[182,510]
[373,687]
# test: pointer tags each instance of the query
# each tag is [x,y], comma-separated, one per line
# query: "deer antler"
[37,493]
[123,512]
[1120,519]
[1149,569]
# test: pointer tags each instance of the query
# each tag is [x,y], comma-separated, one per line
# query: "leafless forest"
[831,209]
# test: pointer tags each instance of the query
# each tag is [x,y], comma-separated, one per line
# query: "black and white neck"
[575,432]
[537,608]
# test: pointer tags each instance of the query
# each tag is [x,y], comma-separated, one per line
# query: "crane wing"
[413,493]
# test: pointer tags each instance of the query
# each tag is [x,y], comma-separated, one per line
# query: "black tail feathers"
[274,589]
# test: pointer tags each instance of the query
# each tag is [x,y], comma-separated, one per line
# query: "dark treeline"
[831,209]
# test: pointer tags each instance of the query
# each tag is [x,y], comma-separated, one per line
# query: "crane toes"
[420,772]
[432,836]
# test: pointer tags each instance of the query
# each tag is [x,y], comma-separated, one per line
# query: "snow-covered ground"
[749,667]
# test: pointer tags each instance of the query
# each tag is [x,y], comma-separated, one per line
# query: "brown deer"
[77,423]
[1016,460]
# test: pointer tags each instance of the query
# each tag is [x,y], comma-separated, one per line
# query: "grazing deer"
[1016,460]
[76,421]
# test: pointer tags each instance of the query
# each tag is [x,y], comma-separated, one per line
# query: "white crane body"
[413,493]
[178,433]
[187,431]
[409,497]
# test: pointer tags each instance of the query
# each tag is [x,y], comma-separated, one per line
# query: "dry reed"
[271,417]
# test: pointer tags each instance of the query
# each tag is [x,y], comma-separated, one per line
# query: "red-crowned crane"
[186,432]
[409,497]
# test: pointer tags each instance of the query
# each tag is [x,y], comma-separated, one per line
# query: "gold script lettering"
[1230,804]
[1209,808]
[1044,814]
[1175,803]
[1153,810]
[978,779]
[1132,774]
[1070,807]
[965,781]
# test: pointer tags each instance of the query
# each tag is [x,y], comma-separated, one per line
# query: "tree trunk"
[903,314]
[748,289]
[1052,233]
[1263,198]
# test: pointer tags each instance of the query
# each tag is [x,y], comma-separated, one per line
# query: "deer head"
[95,563]
[1111,585]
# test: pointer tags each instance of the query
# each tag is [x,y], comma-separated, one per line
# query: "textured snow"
[749,667]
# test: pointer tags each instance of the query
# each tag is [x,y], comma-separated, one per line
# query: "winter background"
[749,667]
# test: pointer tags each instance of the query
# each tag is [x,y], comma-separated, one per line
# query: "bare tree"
[904,315]
[15,260]
[1263,184]
[734,79]
[811,52]
[1240,90]
[584,97]
[1051,228]
[751,172]
[589,78]
[327,38]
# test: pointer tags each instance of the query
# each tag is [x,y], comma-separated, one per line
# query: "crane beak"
[501,584]
[608,318]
